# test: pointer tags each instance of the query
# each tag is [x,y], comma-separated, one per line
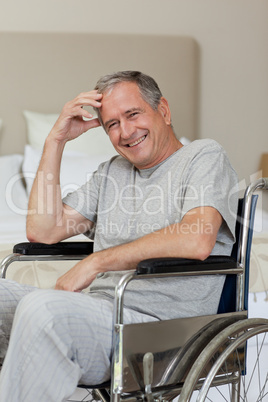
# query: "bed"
[38,74]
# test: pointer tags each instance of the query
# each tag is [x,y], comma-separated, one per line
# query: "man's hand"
[71,123]
[79,277]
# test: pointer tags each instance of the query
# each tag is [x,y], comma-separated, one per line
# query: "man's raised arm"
[47,219]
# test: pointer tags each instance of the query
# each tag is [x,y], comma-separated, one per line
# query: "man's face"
[137,132]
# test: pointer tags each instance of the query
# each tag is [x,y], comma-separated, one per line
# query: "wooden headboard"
[42,71]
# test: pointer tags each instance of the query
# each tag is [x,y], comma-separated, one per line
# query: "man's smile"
[137,141]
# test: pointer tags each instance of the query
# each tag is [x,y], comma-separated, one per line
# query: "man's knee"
[12,292]
[44,307]
[34,309]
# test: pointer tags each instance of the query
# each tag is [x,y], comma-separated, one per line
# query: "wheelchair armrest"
[171,265]
[62,248]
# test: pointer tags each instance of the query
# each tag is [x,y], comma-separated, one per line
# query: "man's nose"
[127,129]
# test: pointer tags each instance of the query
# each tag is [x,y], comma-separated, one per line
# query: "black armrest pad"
[62,248]
[169,265]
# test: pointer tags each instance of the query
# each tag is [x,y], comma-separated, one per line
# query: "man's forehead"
[121,88]
[121,98]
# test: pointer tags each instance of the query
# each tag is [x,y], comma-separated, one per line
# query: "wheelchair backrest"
[228,298]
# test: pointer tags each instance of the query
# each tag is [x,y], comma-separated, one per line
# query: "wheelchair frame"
[147,370]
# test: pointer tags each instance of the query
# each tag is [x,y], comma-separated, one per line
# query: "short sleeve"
[211,181]
[85,199]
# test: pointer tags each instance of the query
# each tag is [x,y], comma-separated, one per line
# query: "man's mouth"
[137,142]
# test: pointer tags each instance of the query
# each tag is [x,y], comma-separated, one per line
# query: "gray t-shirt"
[126,203]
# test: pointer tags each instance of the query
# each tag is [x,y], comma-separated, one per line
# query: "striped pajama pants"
[57,339]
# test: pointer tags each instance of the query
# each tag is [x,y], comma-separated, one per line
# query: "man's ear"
[163,108]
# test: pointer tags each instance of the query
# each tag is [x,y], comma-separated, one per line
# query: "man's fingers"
[76,107]
[75,119]
[87,117]
[92,98]
[92,123]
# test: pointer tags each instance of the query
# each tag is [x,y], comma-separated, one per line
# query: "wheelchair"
[200,358]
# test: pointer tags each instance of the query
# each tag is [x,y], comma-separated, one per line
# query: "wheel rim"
[253,387]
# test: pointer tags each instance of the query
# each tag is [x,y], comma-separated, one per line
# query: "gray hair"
[148,87]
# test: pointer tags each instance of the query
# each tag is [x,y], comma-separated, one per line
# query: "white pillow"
[93,142]
[13,197]
[38,127]
[76,168]
[184,140]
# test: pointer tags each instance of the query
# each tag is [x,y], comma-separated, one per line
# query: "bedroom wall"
[232,39]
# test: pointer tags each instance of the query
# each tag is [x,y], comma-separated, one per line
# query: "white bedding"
[12,229]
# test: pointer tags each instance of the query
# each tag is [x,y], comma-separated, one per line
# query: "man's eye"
[133,114]
[111,125]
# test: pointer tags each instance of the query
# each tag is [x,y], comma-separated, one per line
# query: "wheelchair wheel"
[92,395]
[232,367]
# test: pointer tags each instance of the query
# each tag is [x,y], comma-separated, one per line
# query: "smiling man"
[157,198]
[138,132]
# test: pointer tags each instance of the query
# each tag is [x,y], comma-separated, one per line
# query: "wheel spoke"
[224,357]
[262,395]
